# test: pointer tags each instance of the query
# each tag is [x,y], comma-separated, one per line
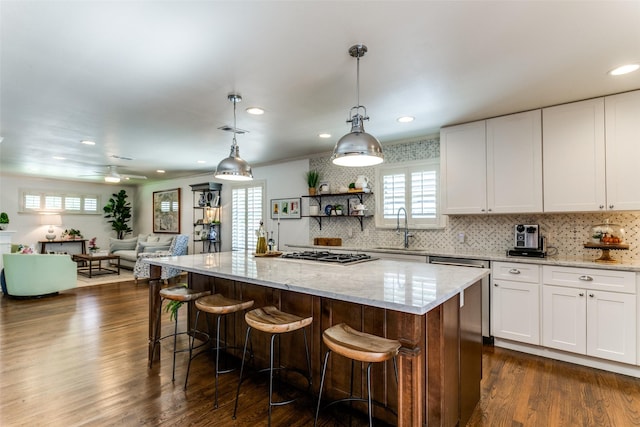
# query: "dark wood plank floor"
[80,359]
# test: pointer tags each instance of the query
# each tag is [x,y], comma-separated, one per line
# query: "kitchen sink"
[398,248]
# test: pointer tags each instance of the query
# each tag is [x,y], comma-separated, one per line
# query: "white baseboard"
[578,359]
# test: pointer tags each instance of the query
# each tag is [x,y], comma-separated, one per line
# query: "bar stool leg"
[273,337]
[369,395]
[175,342]
[306,348]
[324,370]
[215,398]
[244,352]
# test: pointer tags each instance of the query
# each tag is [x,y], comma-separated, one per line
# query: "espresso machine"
[528,242]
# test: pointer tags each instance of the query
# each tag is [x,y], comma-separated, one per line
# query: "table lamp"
[51,221]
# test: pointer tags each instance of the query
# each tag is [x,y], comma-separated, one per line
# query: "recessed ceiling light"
[406,119]
[160,171]
[87,142]
[255,111]
[59,158]
[624,69]
[324,135]
[202,161]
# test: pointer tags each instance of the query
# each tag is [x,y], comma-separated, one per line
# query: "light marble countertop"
[489,256]
[409,287]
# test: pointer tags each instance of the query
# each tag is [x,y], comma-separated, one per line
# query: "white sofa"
[128,249]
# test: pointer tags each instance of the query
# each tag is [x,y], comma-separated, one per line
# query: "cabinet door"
[564,312]
[574,157]
[463,168]
[515,311]
[622,124]
[514,163]
[611,326]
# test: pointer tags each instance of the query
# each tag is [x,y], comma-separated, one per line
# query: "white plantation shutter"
[413,186]
[40,202]
[247,209]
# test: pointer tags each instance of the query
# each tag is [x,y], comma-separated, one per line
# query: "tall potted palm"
[118,213]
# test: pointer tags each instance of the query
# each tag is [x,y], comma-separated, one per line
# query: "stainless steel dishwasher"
[487,338]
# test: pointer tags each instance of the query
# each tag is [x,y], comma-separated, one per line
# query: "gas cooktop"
[326,256]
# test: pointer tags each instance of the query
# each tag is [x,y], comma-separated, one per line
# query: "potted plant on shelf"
[313,178]
[338,209]
[71,234]
[4,220]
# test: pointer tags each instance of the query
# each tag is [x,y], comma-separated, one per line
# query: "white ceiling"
[149,80]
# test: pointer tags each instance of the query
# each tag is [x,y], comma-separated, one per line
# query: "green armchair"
[38,275]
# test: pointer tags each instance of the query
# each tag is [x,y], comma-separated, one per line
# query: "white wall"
[283,180]
[27,225]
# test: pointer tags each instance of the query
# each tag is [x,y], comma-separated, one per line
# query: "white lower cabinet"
[581,318]
[515,302]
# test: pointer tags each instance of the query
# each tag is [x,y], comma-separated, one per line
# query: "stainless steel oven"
[486,289]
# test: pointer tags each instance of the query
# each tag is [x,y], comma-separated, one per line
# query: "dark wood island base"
[439,364]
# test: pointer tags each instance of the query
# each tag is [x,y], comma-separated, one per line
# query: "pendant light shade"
[234,168]
[357,148]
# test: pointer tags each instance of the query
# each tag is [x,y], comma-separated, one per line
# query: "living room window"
[413,186]
[247,209]
[39,202]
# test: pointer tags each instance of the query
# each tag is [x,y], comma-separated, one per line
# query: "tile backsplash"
[567,233]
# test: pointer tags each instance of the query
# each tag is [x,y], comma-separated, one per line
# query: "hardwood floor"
[80,359]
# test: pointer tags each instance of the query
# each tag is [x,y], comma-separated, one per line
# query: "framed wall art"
[166,211]
[285,208]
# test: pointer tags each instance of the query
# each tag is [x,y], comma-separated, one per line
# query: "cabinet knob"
[481,210]
[514,271]
[591,295]
[610,206]
[601,206]
[581,294]
[495,284]
[488,210]
[586,278]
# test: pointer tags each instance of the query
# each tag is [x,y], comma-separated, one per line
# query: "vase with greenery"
[4,220]
[313,178]
[118,212]
[71,234]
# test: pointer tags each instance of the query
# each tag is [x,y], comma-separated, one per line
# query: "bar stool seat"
[357,346]
[275,322]
[220,306]
[179,293]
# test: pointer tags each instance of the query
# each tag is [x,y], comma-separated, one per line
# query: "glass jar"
[607,234]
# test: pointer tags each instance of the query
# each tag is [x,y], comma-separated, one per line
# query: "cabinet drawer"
[587,278]
[516,272]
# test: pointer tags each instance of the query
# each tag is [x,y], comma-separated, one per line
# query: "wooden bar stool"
[180,293]
[220,306]
[275,322]
[357,346]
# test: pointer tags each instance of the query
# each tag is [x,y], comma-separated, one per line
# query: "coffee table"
[90,265]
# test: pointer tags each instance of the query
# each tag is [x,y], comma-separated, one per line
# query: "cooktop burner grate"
[326,256]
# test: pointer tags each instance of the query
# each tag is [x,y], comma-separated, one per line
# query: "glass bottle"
[261,246]
[271,243]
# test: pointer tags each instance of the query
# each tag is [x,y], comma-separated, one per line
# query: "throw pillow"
[152,238]
[122,244]
[152,247]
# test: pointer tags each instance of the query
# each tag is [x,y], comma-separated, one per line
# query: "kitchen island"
[434,311]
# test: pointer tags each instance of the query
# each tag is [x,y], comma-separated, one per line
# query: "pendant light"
[357,148]
[233,168]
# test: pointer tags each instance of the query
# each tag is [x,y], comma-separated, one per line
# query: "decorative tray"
[268,254]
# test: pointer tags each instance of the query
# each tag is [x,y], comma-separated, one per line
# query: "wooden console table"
[47,246]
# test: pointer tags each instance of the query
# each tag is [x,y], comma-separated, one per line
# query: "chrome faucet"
[407,234]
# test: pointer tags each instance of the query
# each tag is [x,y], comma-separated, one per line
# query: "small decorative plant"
[313,178]
[72,233]
[338,209]
[173,306]
[92,244]
[4,220]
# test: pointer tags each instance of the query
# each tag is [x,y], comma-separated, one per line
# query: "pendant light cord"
[358,81]
[235,101]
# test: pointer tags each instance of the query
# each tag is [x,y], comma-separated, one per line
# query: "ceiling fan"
[113,176]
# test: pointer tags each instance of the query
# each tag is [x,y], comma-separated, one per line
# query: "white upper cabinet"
[493,166]
[514,163]
[622,127]
[574,156]
[463,168]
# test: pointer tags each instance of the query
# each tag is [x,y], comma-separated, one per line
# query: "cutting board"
[327,241]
